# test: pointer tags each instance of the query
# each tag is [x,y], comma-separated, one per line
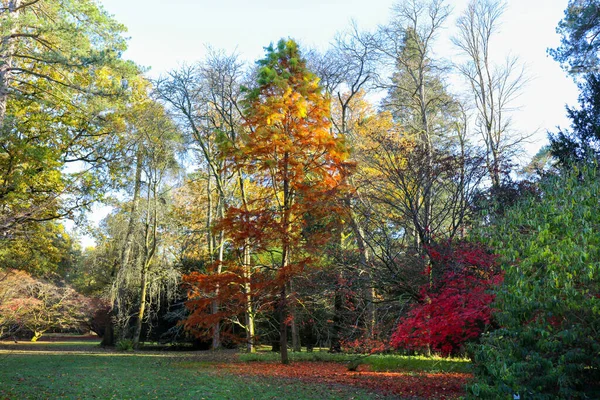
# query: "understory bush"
[548,345]
[454,308]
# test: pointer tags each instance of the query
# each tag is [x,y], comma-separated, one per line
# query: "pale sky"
[165,34]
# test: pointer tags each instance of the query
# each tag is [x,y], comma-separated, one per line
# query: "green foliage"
[45,249]
[578,51]
[549,306]
[581,142]
[60,94]
[125,345]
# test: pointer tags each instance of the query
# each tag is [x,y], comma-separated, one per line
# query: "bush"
[549,304]
[455,309]
[125,345]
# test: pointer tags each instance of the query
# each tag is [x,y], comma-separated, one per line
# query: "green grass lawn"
[43,371]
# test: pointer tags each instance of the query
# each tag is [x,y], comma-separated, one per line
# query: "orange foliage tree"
[297,168]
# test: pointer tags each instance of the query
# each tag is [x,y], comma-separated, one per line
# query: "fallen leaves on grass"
[404,384]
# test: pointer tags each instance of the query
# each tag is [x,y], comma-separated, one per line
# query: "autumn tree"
[347,70]
[35,306]
[420,105]
[205,101]
[454,308]
[297,166]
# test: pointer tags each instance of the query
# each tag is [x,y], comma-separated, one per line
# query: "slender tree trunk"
[283,325]
[210,237]
[336,330]
[150,243]
[296,344]
[365,262]
[285,262]
[142,309]
[109,333]
[216,340]
[249,312]
[135,202]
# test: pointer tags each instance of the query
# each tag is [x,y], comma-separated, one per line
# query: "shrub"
[456,309]
[125,345]
[549,305]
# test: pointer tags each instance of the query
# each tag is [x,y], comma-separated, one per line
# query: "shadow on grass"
[377,362]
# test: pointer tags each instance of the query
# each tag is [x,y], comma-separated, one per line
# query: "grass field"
[67,369]
[81,370]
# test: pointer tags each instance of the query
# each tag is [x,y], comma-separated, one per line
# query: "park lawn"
[80,369]
[47,372]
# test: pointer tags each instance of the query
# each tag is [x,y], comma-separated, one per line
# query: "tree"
[296,164]
[346,70]
[205,102]
[139,268]
[549,304]
[427,169]
[35,306]
[582,142]
[579,29]
[60,75]
[493,87]
[44,249]
[578,53]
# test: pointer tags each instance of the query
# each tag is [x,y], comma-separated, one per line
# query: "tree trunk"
[216,340]
[141,310]
[283,326]
[365,262]
[285,261]
[296,345]
[109,335]
[150,243]
[108,340]
[37,335]
[336,329]
[249,314]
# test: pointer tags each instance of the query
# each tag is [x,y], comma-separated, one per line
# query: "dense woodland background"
[348,199]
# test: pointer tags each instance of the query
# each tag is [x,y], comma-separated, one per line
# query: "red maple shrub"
[455,307]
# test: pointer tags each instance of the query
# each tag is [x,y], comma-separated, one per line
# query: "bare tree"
[494,87]
[205,99]
[347,69]
[419,102]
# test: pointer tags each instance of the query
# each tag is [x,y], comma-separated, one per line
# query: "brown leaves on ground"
[403,384]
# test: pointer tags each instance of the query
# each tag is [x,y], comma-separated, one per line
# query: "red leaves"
[403,384]
[457,309]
